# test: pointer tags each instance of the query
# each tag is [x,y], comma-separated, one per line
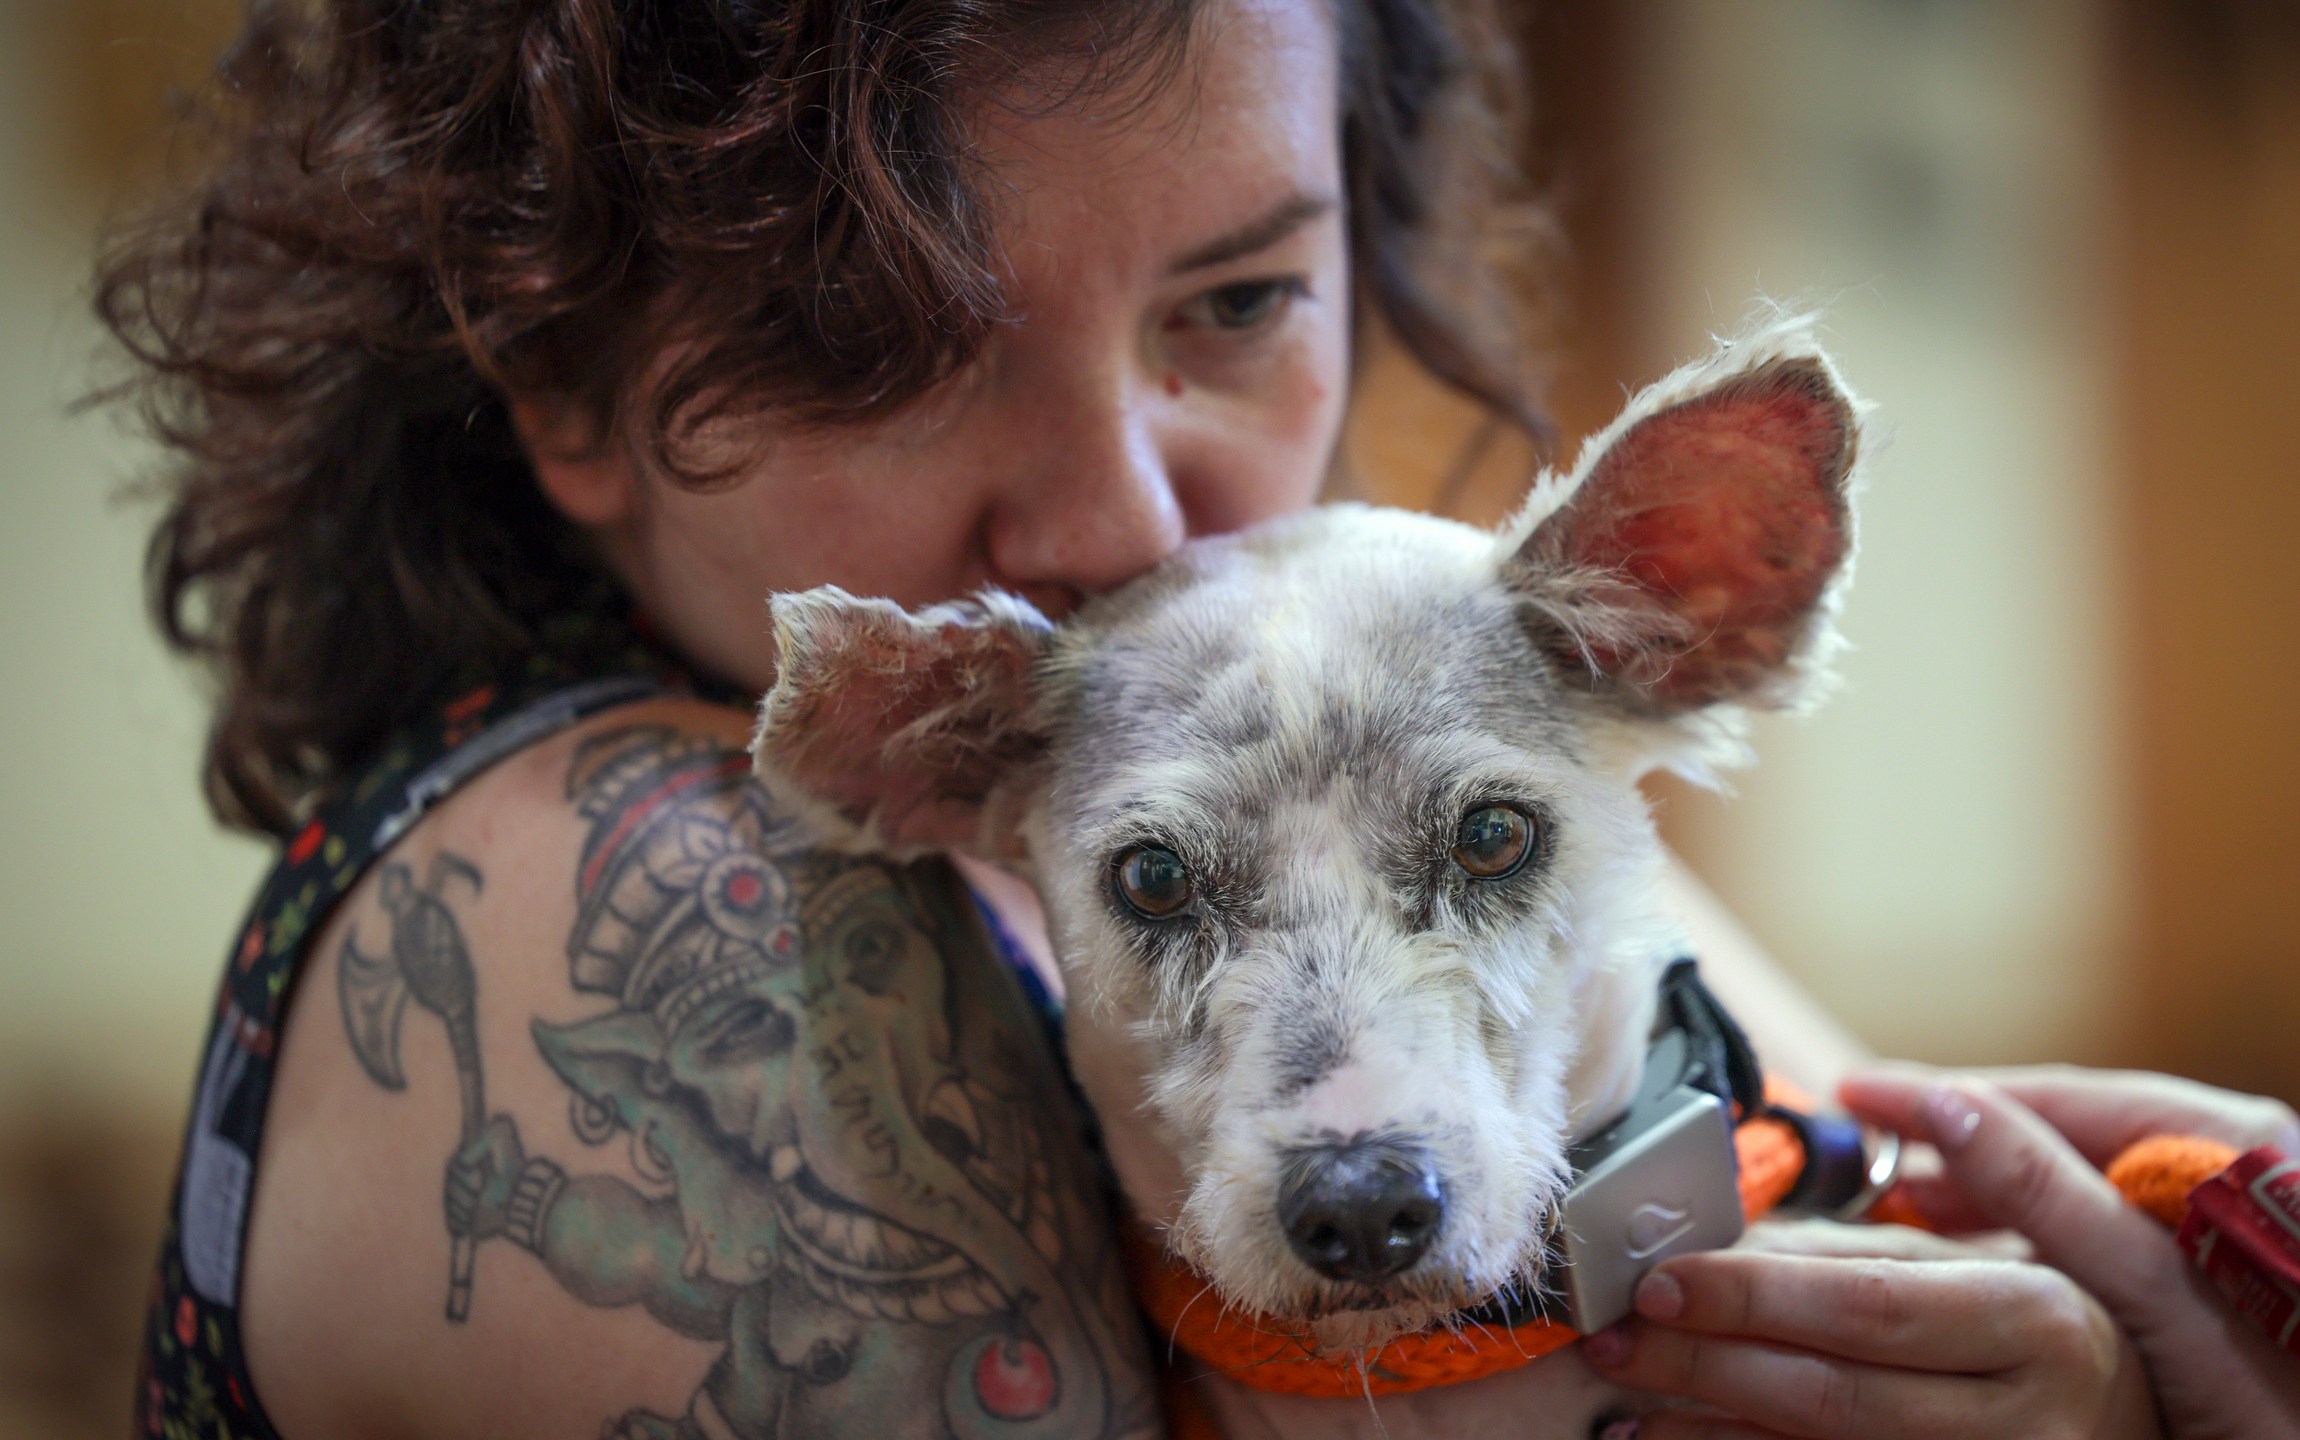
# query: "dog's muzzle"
[1360,1210]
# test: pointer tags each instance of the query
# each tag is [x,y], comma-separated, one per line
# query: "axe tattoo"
[429,961]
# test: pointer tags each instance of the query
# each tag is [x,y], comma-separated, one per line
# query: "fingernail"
[1608,1347]
[1660,1296]
[1950,1116]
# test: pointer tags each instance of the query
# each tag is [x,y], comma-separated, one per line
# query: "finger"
[1885,1242]
[2099,1111]
[1795,1393]
[1893,1097]
[2020,1173]
[1968,1316]
[2104,1111]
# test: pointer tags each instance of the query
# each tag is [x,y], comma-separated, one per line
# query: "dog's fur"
[1303,713]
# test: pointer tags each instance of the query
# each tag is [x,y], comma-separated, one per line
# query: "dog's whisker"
[1174,1336]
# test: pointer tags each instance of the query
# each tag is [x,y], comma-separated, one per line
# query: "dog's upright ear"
[1690,566]
[896,732]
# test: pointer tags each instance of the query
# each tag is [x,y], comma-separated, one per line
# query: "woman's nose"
[1087,501]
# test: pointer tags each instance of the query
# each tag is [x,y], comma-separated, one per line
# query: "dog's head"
[1336,819]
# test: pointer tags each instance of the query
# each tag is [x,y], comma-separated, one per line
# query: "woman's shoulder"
[528,805]
[694,1123]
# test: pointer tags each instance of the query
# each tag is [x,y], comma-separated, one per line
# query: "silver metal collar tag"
[1661,1182]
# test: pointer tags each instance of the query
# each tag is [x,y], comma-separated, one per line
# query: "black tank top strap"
[194,1383]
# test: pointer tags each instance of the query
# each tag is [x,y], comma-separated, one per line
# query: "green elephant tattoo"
[860,1170]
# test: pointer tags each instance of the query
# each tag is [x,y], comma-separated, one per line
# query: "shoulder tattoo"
[859,1169]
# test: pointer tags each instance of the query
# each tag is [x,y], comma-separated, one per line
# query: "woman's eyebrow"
[1284,219]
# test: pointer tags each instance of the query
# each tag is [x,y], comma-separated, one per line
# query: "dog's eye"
[1492,841]
[1153,882]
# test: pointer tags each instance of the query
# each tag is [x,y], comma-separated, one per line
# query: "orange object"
[1270,1354]
[1894,1207]
[1771,1158]
[2159,1173]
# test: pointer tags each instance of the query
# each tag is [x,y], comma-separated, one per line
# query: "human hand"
[2099,1112]
[1815,1334]
[2032,1168]
[480,1179]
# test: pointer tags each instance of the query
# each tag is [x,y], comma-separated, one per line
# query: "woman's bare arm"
[753,1140]
[1797,1039]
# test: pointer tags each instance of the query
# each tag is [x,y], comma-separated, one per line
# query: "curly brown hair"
[417,207]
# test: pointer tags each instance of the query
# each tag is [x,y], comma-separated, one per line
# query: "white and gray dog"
[1337,825]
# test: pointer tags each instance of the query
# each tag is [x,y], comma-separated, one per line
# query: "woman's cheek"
[1300,419]
[708,559]
[1266,429]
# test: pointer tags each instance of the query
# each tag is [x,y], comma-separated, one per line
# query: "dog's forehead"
[1342,642]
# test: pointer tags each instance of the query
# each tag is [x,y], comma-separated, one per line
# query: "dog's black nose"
[1360,1210]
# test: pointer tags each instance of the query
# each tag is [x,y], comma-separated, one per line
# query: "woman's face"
[1178,367]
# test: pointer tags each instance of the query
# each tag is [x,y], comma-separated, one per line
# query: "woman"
[513,354]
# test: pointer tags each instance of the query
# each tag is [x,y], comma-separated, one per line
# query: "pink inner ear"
[1729,512]
[910,724]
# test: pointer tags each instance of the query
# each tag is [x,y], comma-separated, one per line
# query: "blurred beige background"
[2050,815]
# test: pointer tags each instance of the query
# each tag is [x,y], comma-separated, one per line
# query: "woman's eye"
[1153,882]
[1244,305]
[1492,841]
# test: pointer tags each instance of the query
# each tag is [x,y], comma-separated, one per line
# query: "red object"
[464,707]
[638,814]
[187,1322]
[306,844]
[1014,1379]
[2243,1232]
